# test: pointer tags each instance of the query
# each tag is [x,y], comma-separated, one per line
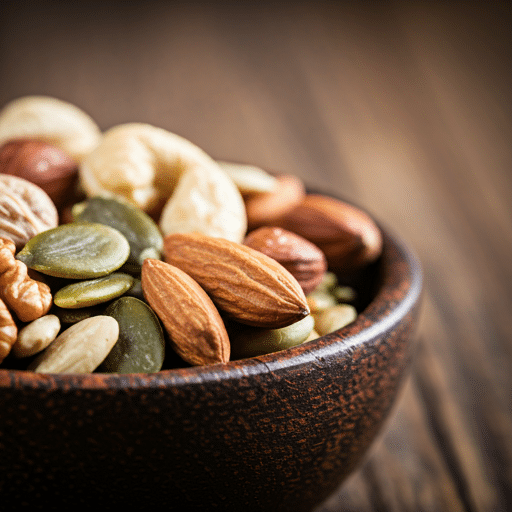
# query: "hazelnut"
[304,260]
[40,163]
[349,237]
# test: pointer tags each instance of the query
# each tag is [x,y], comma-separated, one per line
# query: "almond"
[263,209]
[303,259]
[193,323]
[349,237]
[245,284]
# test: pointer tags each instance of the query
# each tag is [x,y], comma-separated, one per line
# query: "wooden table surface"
[402,107]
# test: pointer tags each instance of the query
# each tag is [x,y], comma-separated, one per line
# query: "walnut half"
[8,331]
[27,298]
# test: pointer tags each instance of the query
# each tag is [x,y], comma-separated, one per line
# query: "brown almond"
[303,259]
[193,323]
[263,209]
[244,283]
[349,238]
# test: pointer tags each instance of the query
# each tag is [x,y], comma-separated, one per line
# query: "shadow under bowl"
[276,433]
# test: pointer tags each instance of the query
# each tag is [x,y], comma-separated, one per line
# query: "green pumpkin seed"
[136,290]
[249,341]
[94,291]
[76,251]
[137,226]
[344,294]
[73,316]
[141,343]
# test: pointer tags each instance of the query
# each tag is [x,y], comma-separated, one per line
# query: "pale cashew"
[249,179]
[51,120]
[161,172]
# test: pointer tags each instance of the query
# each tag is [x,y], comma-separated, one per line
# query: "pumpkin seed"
[319,300]
[94,291]
[73,316]
[249,341]
[333,318]
[136,290]
[329,281]
[141,343]
[137,226]
[344,293]
[76,251]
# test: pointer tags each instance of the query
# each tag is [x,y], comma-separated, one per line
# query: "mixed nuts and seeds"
[134,251]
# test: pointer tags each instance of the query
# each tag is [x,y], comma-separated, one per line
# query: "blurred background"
[403,107]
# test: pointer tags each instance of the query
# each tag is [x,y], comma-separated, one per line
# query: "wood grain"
[403,107]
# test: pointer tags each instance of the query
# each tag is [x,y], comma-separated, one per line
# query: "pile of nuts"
[132,250]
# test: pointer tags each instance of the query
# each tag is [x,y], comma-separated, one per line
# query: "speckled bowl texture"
[273,433]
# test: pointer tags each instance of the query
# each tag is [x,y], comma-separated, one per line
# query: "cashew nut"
[249,179]
[164,173]
[51,120]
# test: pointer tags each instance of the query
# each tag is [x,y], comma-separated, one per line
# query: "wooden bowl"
[278,432]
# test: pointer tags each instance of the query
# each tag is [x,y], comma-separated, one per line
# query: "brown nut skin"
[246,285]
[303,259]
[263,209]
[348,236]
[194,325]
[41,163]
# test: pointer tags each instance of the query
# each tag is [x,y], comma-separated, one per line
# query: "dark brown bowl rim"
[399,292]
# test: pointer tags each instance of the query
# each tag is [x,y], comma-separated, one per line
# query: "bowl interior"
[387,290]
